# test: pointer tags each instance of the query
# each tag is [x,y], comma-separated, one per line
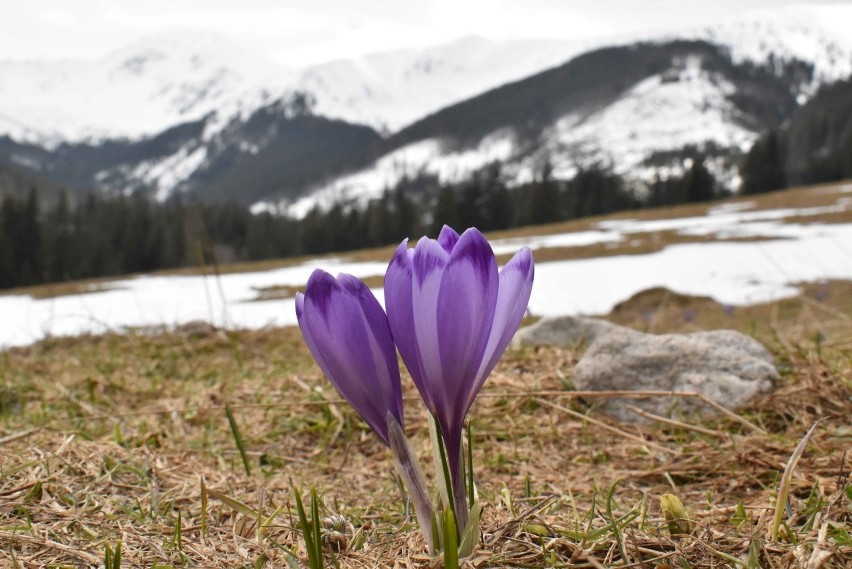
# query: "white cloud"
[300,33]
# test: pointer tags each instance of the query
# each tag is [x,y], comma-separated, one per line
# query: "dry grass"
[106,440]
[278,292]
[54,290]
[640,243]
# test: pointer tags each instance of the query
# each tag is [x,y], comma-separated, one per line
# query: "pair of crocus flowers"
[451,315]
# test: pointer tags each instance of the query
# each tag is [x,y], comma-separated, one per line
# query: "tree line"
[814,146]
[94,235]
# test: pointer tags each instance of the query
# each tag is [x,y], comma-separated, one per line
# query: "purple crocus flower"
[347,332]
[452,315]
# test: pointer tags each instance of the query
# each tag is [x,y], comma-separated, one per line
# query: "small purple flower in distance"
[452,315]
[347,332]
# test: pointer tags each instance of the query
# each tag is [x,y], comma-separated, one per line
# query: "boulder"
[725,366]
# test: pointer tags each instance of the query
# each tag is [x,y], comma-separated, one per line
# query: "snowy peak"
[140,90]
[783,35]
[391,90]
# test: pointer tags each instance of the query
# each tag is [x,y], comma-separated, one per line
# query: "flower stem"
[453,491]
[412,478]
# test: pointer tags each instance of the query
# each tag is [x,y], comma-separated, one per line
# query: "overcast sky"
[301,32]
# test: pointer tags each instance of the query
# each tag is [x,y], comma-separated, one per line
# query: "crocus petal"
[448,238]
[381,342]
[513,296]
[346,331]
[399,280]
[465,311]
[428,263]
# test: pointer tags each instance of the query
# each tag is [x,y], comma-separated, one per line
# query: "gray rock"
[725,366]
[196,328]
[563,331]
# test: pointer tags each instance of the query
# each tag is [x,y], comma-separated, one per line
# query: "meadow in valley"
[134,445]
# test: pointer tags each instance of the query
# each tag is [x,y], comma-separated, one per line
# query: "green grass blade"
[470,535]
[616,530]
[314,560]
[786,481]
[317,528]
[238,438]
[442,471]
[179,532]
[235,505]
[445,471]
[753,559]
[203,507]
[116,558]
[451,541]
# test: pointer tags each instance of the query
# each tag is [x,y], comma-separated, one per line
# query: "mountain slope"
[275,149]
[622,107]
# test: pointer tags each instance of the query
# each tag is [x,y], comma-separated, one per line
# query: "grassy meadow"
[184,449]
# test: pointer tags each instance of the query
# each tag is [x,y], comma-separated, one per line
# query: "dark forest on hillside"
[814,147]
[103,236]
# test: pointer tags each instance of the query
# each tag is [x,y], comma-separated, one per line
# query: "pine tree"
[763,169]
[8,265]
[497,207]
[26,241]
[699,185]
[446,211]
[58,237]
[470,203]
[544,203]
[404,215]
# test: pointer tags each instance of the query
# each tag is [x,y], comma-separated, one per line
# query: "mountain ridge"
[201,132]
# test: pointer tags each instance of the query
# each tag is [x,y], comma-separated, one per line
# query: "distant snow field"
[731,272]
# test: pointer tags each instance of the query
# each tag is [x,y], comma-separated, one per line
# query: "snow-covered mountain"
[389,91]
[195,114]
[151,85]
[183,109]
[774,37]
[134,92]
[684,105]
[689,103]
